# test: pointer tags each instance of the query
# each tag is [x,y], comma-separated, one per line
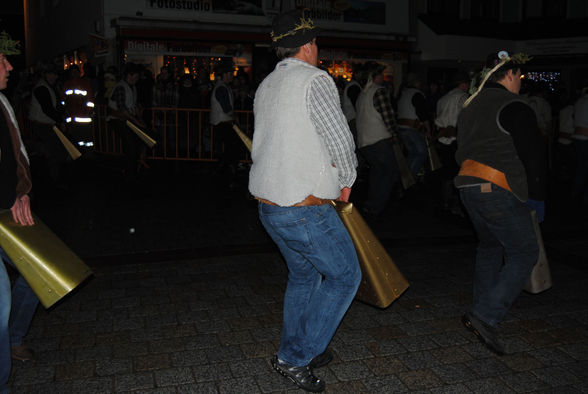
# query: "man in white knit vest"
[376,136]
[448,108]
[222,117]
[303,157]
[122,106]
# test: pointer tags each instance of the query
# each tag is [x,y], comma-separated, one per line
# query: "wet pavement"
[187,298]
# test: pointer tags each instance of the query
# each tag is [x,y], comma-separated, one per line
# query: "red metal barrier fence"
[181,134]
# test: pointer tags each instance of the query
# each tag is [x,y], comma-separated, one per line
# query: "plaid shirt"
[383,105]
[327,117]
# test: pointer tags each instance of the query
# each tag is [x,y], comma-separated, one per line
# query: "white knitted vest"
[130,99]
[348,109]
[36,113]
[405,108]
[290,161]
[370,125]
[217,114]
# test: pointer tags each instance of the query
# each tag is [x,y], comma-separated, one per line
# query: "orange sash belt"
[473,168]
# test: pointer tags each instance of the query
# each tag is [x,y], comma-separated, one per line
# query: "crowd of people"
[418,118]
[420,122]
[496,141]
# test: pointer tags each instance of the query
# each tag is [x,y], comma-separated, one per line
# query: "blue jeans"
[507,251]
[323,276]
[416,148]
[16,313]
[383,174]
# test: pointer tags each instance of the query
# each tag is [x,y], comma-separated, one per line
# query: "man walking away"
[303,157]
[500,150]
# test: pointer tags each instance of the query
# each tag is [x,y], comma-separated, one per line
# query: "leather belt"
[473,168]
[414,123]
[308,201]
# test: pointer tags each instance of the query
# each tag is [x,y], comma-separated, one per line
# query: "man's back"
[289,160]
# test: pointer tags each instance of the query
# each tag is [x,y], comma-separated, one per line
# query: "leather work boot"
[21,353]
[487,334]
[301,376]
[321,360]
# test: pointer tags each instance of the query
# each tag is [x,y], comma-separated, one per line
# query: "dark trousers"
[383,174]
[447,192]
[507,252]
[580,186]
[232,149]
[50,148]
[131,146]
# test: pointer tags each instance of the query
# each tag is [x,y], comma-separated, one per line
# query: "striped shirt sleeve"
[326,115]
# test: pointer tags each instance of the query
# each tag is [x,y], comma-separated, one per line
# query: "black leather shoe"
[301,376]
[321,360]
[487,334]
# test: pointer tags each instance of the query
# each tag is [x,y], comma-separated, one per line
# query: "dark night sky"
[12,21]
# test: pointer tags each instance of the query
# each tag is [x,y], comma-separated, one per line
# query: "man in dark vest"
[500,151]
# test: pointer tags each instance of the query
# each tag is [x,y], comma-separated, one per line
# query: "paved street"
[187,297]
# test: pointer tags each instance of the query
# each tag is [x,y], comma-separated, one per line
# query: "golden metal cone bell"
[47,264]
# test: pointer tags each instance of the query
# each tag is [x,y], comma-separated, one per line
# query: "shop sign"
[145,46]
[369,16]
[186,5]
[347,11]
[244,7]
[99,45]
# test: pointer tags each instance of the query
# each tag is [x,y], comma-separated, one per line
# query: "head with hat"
[499,64]
[369,73]
[74,71]
[460,79]
[49,72]
[414,80]
[8,47]
[293,35]
[504,69]
[131,73]
[223,71]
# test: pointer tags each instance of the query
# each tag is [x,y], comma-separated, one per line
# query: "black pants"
[131,146]
[447,191]
[232,149]
[50,148]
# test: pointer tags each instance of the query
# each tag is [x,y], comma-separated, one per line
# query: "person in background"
[222,117]
[413,123]
[580,137]
[45,112]
[165,92]
[79,105]
[448,108]
[565,148]
[303,158]
[145,95]
[538,101]
[122,106]
[376,134]
[349,100]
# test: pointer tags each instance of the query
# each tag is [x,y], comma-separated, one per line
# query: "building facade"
[192,35]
